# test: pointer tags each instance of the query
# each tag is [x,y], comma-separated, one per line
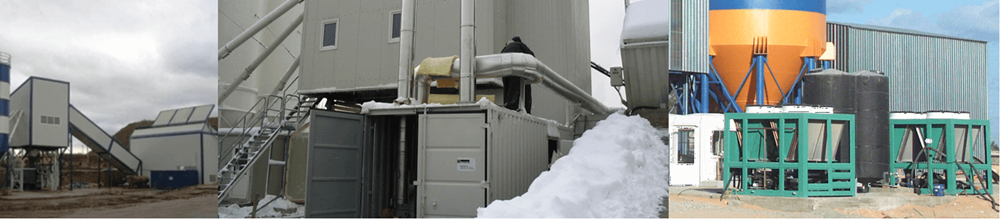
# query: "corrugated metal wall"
[646,74]
[517,153]
[926,71]
[689,36]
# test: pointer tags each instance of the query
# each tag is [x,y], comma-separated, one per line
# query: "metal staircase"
[258,130]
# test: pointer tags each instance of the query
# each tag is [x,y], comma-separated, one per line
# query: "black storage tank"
[866,95]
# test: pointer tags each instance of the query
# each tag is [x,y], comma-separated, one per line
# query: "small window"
[685,146]
[50,120]
[717,143]
[397,25]
[329,34]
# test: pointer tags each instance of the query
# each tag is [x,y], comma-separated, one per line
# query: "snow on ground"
[617,169]
[279,208]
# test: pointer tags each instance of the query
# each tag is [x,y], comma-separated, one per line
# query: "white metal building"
[364,57]
[179,139]
[696,148]
[44,107]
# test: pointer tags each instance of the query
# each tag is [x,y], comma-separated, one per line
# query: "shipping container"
[457,158]
[173,179]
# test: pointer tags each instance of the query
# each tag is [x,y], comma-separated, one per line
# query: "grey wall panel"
[926,71]
[646,74]
[334,174]
[20,101]
[559,34]
[689,36]
[51,99]
[451,164]
[365,59]
[517,154]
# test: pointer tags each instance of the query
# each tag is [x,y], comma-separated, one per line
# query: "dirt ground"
[195,201]
[962,207]
[685,206]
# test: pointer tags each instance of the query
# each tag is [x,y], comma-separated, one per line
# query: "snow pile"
[278,208]
[617,169]
[647,20]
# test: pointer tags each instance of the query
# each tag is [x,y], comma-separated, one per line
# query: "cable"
[597,67]
[618,89]
[983,184]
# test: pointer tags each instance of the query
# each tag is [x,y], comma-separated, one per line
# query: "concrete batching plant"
[772,53]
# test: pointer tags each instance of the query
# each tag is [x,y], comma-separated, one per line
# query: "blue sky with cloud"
[972,19]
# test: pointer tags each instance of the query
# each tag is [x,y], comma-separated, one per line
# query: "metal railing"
[248,122]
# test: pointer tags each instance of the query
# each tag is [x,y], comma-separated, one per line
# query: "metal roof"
[901,31]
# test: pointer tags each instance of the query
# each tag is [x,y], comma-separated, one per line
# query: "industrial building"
[43,121]
[179,139]
[777,70]
[353,52]
[332,106]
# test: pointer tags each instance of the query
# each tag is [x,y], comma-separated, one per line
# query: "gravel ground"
[705,203]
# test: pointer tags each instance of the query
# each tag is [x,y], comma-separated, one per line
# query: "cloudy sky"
[973,19]
[125,60]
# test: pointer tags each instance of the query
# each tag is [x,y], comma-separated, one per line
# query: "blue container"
[173,179]
[938,190]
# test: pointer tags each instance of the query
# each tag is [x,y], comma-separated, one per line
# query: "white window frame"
[336,36]
[391,13]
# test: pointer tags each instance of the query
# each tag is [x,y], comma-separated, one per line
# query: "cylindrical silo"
[866,95]
[789,30]
[4,102]
[829,88]
[872,116]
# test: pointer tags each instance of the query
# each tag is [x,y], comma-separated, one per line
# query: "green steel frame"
[934,129]
[747,151]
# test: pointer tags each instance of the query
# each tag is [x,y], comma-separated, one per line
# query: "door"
[333,175]
[685,170]
[451,165]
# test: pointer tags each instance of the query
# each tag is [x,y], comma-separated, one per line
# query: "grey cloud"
[125,60]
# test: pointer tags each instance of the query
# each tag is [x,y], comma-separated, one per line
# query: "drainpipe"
[467,88]
[256,27]
[403,89]
[260,58]
[405,52]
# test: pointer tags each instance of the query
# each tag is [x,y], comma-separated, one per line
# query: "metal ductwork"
[467,87]
[256,27]
[521,65]
[260,58]
[405,51]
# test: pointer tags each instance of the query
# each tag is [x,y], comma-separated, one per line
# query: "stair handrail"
[224,192]
[265,104]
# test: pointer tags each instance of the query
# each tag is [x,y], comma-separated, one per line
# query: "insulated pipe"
[401,184]
[527,67]
[288,74]
[256,27]
[467,87]
[405,52]
[260,58]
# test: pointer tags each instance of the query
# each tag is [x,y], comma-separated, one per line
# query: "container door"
[333,185]
[451,165]
[685,170]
